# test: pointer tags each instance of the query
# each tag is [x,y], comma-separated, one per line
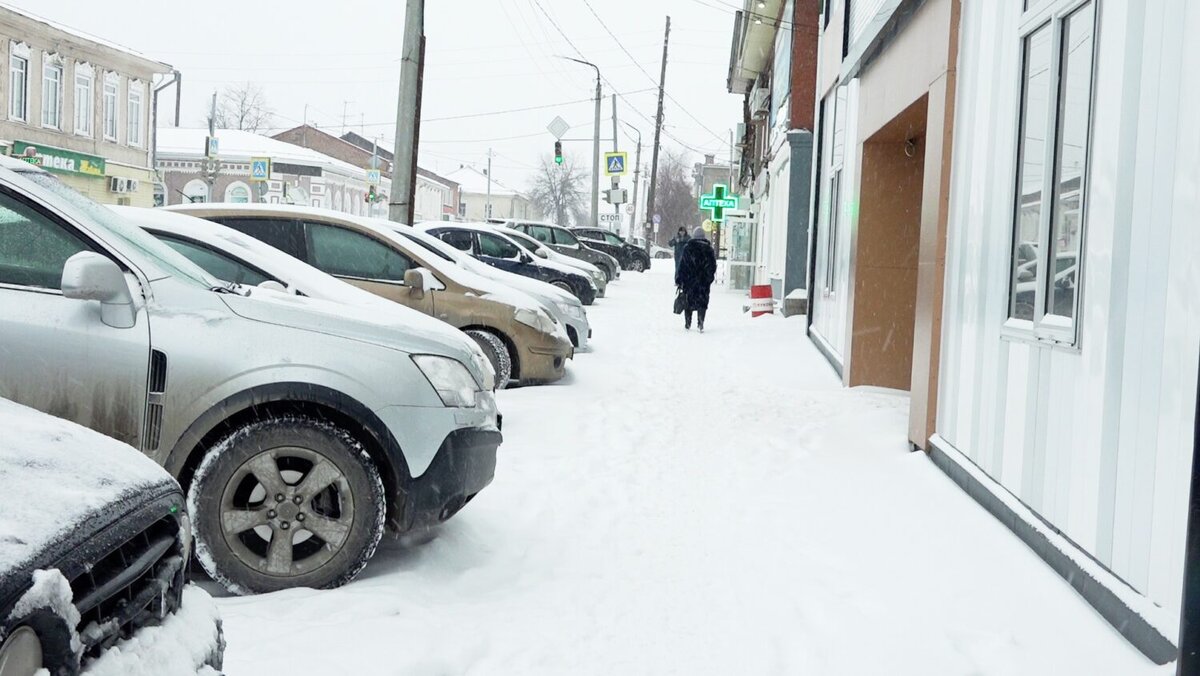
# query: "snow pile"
[696,504]
[54,474]
[182,644]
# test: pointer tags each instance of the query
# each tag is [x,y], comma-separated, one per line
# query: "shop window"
[1058,56]
[238,193]
[195,191]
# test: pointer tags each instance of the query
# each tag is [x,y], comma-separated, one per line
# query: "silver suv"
[298,428]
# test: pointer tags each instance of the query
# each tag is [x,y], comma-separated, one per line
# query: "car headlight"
[537,319]
[598,277]
[453,382]
[570,309]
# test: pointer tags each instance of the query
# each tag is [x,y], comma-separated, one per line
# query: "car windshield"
[164,257]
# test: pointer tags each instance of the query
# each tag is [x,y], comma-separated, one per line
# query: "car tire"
[608,271]
[565,286]
[40,639]
[639,265]
[496,352]
[319,474]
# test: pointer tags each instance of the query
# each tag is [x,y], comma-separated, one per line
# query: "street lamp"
[595,145]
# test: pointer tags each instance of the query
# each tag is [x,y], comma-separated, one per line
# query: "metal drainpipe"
[1189,623]
[154,128]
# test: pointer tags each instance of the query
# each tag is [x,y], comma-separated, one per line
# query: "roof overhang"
[752,52]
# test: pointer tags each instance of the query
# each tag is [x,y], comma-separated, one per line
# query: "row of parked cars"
[306,378]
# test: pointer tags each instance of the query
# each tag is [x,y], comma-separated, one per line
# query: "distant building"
[298,175]
[81,105]
[475,188]
[436,198]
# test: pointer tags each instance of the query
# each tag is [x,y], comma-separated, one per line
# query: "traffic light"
[371,196]
[558,159]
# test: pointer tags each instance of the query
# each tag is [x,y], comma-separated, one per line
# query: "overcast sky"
[341,58]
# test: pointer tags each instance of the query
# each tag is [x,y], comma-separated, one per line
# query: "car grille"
[137,584]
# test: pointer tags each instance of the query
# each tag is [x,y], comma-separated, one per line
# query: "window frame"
[52,64]
[1046,327]
[66,226]
[84,74]
[135,132]
[112,80]
[13,58]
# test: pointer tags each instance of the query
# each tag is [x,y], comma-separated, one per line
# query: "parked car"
[630,256]
[297,429]
[231,256]
[1066,266]
[94,552]
[565,242]
[369,254]
[495,249]
[562,306]
[542,251]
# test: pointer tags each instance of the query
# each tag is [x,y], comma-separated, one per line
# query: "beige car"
[519,337]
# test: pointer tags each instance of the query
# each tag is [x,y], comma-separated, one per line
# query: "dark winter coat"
[695,273]
[678,242]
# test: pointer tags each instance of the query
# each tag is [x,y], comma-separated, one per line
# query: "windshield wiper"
[231,288]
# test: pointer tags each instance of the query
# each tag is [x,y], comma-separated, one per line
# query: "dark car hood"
[64,484]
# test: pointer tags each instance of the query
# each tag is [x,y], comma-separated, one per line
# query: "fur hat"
[698,233]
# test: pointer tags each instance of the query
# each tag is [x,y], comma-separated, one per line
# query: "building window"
[111,87]
[195,191]
[85,100]
[18,88]
[836,131]
[238,193]
[1056,105]
[52,93]
[134,114]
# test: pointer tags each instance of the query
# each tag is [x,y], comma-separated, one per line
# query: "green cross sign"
[718,202]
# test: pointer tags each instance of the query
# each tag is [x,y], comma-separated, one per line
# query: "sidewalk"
[696,504]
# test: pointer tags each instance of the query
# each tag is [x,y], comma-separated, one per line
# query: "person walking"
[678,242]
[694,276]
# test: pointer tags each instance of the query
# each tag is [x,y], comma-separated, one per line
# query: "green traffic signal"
[558,158]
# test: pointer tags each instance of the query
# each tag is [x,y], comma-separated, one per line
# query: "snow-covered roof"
[56,474]
[475,181]
[240,146]
[83,35]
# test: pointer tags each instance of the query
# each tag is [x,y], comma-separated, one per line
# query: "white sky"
[482,56]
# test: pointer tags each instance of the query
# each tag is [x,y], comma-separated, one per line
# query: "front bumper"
[464,465]
[545,362]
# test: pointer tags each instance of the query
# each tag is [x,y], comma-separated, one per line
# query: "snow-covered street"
[695,504]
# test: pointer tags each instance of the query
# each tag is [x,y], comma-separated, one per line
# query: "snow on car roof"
[55,474]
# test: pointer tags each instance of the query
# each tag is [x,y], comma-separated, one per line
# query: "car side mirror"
[541,253]
[415,281]
[90,276]
[272,285]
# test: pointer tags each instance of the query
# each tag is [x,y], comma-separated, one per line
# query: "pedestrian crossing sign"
[615,164]
[260,169]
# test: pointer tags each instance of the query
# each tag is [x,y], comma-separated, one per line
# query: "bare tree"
[243,107]
[558,190]
[675,199]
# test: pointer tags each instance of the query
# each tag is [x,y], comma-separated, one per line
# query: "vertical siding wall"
[830,310]
[1096,439]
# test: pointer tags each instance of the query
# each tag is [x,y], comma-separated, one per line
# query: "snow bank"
[54,473]
[182,644]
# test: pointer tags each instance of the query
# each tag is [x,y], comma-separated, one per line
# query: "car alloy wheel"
[639,265]
[21,653]
[286,502]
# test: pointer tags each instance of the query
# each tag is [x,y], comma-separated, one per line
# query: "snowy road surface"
[695,504]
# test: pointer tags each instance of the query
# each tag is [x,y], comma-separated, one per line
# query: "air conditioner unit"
[133,185]
[760,103]
[118,184]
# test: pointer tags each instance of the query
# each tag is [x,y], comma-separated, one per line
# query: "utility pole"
[408,115]
[637,170]
[616,180]
[488,209]
[212,165]
[595,145]
[658,122]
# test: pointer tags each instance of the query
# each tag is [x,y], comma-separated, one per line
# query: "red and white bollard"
[761,302]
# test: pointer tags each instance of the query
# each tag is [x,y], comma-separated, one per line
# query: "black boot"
[700,321]
[687,320]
